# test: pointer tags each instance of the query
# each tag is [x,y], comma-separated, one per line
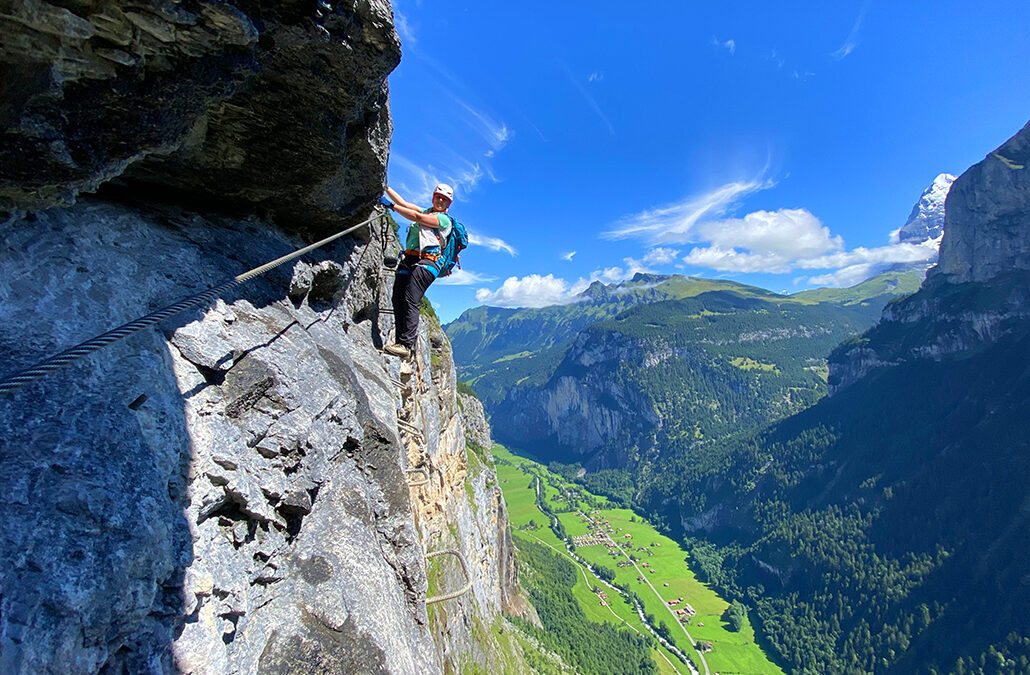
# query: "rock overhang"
[277,108]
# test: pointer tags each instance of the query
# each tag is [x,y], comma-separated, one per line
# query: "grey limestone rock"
[473,416]
[280,106]
[987,226]
[225,497]
[227,492]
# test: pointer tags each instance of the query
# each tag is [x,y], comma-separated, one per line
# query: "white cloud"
[848,276]
[417,182]
[532,290]
[778,242]
[890,254]
[595,77]
[851,42]
[674,223]
[568,256]
[787,233]
[459,277]
[492,243]
[590,100]
[729,45]
[496,133]
[731,260]
[660,256]
[403,27]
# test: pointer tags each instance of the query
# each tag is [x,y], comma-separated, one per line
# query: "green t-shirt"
[421,238]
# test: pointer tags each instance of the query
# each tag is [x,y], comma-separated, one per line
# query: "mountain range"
[636,369]
[879,528]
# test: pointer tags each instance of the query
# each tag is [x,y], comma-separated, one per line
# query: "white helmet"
[445,190]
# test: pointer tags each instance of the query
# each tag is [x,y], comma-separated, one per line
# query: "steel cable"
[21,378]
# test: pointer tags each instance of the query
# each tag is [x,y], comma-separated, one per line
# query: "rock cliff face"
[241,490]
[581,409]
[980,288]
[276,106]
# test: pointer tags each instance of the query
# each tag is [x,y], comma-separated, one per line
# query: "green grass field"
[732,652]
[521,501]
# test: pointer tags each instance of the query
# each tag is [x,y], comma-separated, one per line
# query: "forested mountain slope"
[885,529]
[657,365]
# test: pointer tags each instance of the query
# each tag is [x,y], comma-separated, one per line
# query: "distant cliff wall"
[980,288]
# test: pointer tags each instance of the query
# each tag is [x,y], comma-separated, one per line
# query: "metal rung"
[421,470]
[409,426]
[464,568]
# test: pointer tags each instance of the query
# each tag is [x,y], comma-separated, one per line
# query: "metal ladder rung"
[409,426]
[464,568]
[421,470]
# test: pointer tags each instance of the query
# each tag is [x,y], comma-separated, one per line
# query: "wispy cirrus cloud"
[404,28]
[674,223]
[492,243]
[851,42]
[589,99]
[494,132]
[460,277]
[567,257]
[418,181]
[728,45]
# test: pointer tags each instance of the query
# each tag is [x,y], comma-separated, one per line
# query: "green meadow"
[666,569]
[520,498]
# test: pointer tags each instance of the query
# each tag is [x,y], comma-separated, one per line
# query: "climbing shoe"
[397,350]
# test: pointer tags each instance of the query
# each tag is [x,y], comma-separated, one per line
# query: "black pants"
[409,286]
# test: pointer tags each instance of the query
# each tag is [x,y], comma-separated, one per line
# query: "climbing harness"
[21,378]
[464,568]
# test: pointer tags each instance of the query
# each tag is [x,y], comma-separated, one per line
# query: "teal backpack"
[457,241]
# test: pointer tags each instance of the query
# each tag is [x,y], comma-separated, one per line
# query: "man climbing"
[417,269]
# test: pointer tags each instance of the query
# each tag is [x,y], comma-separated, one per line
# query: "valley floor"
[603,537]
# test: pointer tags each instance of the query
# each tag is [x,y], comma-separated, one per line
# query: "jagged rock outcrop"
[460,508]
[473,416]
[980,288]
[229,493]
[276,106]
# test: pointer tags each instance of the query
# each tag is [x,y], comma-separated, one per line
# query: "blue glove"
[386,202]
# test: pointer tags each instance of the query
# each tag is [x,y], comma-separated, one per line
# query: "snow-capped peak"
[927,218]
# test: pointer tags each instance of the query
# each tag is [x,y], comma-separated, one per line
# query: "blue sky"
[776,146]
